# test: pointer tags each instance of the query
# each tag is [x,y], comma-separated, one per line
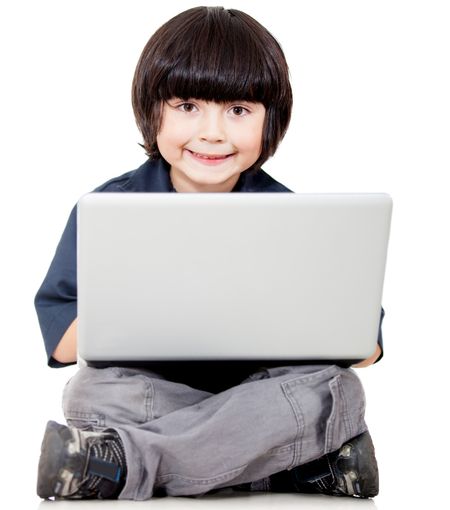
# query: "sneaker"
[77,464]
[350,471]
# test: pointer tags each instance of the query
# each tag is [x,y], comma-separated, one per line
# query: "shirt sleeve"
[56,299]
[380,336]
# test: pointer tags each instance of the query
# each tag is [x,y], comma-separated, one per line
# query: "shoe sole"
[55,459]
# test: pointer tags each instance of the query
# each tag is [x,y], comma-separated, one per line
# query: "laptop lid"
[235,276]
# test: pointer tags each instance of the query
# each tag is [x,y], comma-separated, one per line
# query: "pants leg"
[117,396]
[190,442]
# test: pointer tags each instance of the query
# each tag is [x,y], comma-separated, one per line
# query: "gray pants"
[189,441]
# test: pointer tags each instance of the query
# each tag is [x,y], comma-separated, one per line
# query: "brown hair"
[213,54]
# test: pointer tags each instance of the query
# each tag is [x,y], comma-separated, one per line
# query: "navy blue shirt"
[56,300]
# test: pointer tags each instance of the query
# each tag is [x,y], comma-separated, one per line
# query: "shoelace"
[104,451]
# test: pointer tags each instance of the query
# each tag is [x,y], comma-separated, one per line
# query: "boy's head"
[213,54]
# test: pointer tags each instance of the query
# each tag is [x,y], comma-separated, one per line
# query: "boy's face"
[209,144]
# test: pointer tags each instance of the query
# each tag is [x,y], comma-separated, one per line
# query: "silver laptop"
[230,276]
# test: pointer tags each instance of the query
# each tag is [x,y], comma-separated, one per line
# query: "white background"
[371,86]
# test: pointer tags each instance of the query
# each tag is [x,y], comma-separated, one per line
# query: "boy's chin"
[195,178]
[213,175]
[215,182]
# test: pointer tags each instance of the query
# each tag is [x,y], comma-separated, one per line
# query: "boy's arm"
[56,299]
[370,360]
[66,350]
[378,354]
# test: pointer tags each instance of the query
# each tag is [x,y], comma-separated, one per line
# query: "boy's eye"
[186,107]
[239,111]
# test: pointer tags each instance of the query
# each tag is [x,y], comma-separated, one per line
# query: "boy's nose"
[211,128]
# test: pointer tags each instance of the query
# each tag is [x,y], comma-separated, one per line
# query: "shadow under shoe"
[76,464]
[350,471]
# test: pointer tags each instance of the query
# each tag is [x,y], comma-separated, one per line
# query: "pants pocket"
[84,421]
[107,397]
[309,397]
[338,427]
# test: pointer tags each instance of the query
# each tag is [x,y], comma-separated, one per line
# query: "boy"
[212,99]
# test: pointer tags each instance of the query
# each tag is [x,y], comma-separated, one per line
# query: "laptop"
[273,277]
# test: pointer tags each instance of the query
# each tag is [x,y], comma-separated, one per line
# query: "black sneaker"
[350,471]
[77,464]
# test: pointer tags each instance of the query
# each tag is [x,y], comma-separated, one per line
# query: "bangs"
[222,62]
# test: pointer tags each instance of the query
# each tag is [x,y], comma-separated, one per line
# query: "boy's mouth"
[209,157]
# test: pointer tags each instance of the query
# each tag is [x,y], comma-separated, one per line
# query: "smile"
[209,158]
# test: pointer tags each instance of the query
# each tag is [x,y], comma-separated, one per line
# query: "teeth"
[208,157]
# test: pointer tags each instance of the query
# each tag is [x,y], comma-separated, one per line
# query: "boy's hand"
[370,360]
[66,350]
